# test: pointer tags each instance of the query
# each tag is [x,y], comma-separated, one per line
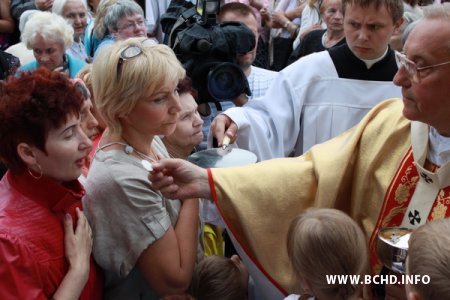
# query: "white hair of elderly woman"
[49,26]
[58,6]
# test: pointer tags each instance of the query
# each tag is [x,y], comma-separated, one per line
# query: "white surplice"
[305,106]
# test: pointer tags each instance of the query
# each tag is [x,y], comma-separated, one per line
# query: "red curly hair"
[31,105]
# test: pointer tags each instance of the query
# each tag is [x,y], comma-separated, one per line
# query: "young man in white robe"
[323,94]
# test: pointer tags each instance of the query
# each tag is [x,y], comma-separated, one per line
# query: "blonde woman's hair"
[428,254]
[327,242]
[49,26]
[217,277]
[119,84]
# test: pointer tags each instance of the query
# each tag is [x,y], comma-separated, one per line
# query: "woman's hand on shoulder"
[78,247]
[78,242]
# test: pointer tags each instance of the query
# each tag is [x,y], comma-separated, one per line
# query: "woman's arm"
[168,263]
[6,20]
[78,247]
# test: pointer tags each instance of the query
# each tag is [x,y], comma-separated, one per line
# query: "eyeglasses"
[131,25]
[411,67]
[132,51]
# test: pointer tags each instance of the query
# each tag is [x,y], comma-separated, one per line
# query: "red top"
[32,260]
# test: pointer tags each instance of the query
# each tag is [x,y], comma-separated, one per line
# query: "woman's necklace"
[143,156]
[140,154]
[128,149]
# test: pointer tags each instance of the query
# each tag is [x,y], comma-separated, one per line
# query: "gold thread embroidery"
[394,212]
[440,210]
[403,191]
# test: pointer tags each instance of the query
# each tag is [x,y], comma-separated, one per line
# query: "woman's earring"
[34,176]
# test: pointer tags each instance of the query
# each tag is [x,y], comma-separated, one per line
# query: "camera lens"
[226,81]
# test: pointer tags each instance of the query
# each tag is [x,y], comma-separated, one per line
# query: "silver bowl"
[392,247]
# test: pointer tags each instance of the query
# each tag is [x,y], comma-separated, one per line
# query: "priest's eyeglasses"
[411,68]
[132,51]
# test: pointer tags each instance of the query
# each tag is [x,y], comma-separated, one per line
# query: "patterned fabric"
[397,199]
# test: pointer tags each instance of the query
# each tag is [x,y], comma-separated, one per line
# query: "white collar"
[370,62]
[429,184]
[439,148]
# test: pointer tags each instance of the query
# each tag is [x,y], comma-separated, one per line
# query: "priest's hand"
[222,126]
[179,179]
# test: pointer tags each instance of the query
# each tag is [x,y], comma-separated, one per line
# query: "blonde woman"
[146,243]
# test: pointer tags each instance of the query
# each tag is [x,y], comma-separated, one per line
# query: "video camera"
[208,50]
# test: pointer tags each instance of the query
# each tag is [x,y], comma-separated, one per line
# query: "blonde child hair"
[327,242]
[218,277]
[428,255]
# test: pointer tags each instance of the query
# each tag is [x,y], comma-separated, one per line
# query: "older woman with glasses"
[124,19]
[49,36]
[45,239]
[146,243]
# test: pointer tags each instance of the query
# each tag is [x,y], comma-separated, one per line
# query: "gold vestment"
[350,172]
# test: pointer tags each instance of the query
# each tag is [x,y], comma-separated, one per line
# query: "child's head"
[326,242]
[429,255]
[219,277]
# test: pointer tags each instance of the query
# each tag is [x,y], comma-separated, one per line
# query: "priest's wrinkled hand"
[179,179]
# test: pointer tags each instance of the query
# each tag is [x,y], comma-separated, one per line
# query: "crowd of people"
[347,111]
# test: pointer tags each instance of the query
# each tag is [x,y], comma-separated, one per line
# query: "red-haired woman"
[45,239]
